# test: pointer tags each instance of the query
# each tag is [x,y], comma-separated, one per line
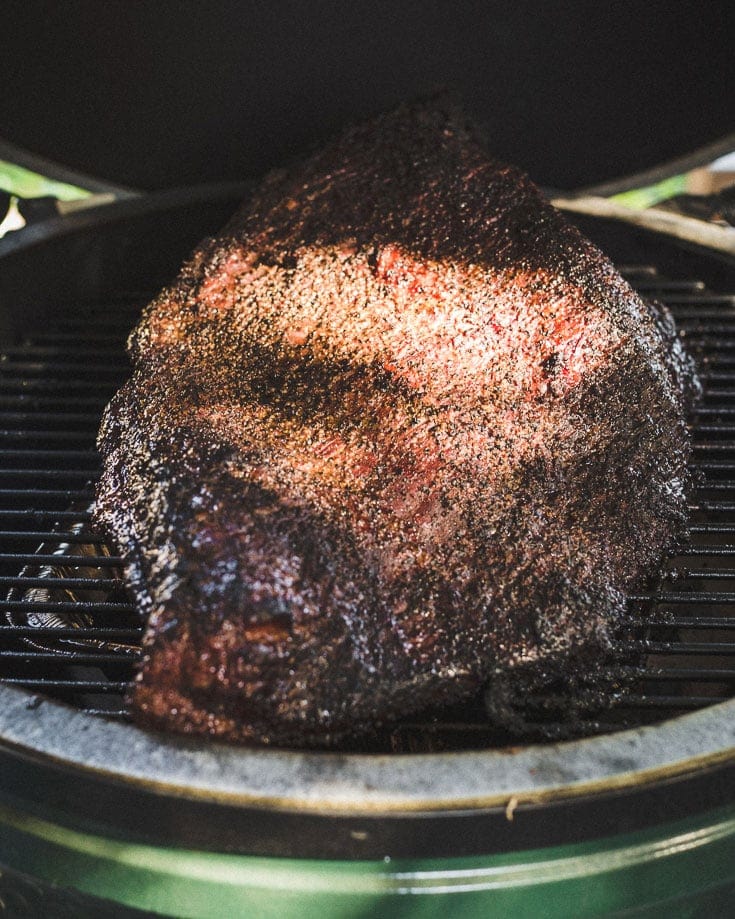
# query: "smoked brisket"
[399,428]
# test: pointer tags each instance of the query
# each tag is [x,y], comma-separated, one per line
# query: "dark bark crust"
[398,429]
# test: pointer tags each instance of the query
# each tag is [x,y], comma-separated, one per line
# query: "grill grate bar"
[698,551]
[710,429]
[95,658]
[75,686]
[91,325]
[42,494]
[685,319]
[717,323]
[92,633]
[667,286]
[716,465]
[724,648]
[720,359]
[86,538]
[78,371]
[687,674]
[716,376]
[706,344]
[66,606]
[705,573]
[75,456]
[66,418]
[50,339]
[63,583]
[644,270]
[560,703]
[688,622]
[714,411]
[719,395]
[714,446]
[89,561]
[52,402]
[711,528]
[672,702]
[701,296]
[24,435]
[83,474]
[706,599]
[39,515]
[69,349]
[54,385]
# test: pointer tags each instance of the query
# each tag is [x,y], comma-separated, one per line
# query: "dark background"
[158,94]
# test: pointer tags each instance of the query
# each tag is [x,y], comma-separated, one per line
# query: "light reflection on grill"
[69,630]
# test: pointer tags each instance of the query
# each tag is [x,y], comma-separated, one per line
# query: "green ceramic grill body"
[100,819]
[680,869]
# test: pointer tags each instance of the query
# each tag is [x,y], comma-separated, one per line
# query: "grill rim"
[418,785]
[367,783]
[175,791]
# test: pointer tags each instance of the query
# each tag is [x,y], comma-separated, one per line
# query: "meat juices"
[398,428]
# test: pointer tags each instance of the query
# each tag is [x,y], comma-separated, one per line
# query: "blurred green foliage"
[23,183]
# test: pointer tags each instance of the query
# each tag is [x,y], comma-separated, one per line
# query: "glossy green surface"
[676,870]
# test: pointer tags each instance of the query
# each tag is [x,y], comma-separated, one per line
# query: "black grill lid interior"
[167,94]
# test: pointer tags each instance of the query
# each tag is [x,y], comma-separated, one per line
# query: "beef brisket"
[398,428]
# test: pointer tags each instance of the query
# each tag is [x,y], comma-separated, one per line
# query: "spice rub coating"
[398,428]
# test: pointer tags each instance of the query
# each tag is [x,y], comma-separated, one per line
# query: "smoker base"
[685,869]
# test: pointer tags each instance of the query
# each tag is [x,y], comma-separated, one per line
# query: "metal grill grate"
[69,630]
